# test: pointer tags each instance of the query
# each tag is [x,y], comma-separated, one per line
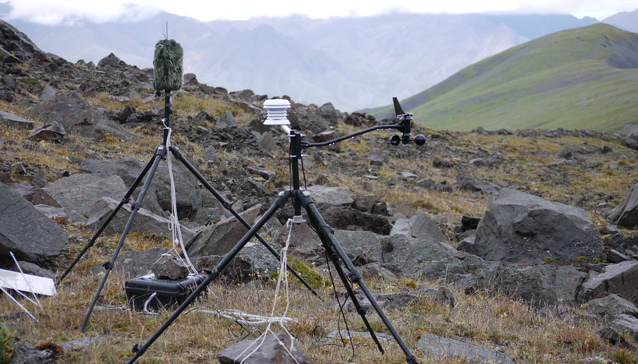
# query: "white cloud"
[70,11]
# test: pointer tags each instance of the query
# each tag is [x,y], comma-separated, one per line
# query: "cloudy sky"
[69,11]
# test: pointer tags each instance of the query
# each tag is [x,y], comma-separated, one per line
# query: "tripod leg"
[331,244]
[97,234]
[229,207]
[280,202]
[135,207]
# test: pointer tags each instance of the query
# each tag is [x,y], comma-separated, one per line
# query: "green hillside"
[584,78]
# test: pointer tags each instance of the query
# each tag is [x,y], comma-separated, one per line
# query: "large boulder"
[220,238]
[626,213]
[522,228]
[77,116]
[539,285]
[145,222]
[80,191]
[29,234]
[158,198]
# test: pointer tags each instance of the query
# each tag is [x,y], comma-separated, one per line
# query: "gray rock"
[79,192]
[626,323]
[620,279]
[387,301]
[539,285]
[219,239]
[133,263]
[439,348]
[337,196]
[364,203]
[522,228]
[267,142]
[47,93]
[34,269]
[169,266]
[52,132]
[273,349]
[225,121]
[29,234]
[348,218]
[626,213]
[211,155]
[401,227]
[70,217]
[611,305]
[145,222]
[77,116]
[423,227]
[158,197]
[35,195]
[473,185]
[15,121]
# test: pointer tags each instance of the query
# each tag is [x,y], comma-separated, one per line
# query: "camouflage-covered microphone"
[168,66]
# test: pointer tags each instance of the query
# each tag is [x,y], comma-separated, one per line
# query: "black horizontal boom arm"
[400,127]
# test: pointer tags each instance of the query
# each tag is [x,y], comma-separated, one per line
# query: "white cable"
[25,279]
[243,317]
[18,303]
[146,310]
[283,275]
[175,228]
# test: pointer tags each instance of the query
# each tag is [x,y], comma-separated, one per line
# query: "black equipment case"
[168,293]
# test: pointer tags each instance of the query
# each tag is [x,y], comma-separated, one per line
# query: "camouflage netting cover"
[168,65]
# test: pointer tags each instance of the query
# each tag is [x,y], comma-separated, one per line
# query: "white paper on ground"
[35,284]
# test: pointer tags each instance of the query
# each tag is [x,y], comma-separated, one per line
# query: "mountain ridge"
[371,59]
[578,78]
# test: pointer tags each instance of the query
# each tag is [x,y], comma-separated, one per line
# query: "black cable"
[341,313]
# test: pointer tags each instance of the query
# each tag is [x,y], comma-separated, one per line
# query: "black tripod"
[301,198]
[150,169]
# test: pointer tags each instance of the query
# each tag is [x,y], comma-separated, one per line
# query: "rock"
[423,227]
[52,132]
[336,196]
[15,121]
[611,305]
[219,239]
[61,216]
[439,348]
[77,116]
[226,120]
[272,349]
[539,285]
[158,197]
[401,227]
[626,213]
[626,323]
[348,218]
[522,228]
[364,203]
[387,301]
[36,196]
[473,185]
[620,279]
[80,191]
[267,142]
[34,269]
[133,263]
[145,222]
[30,235]
[169,266]
[443,295]
[211,155]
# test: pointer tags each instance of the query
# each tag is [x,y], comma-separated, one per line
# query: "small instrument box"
[152,293]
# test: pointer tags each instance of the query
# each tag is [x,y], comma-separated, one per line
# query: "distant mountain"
[351,62]
[584,78]
[627,20]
